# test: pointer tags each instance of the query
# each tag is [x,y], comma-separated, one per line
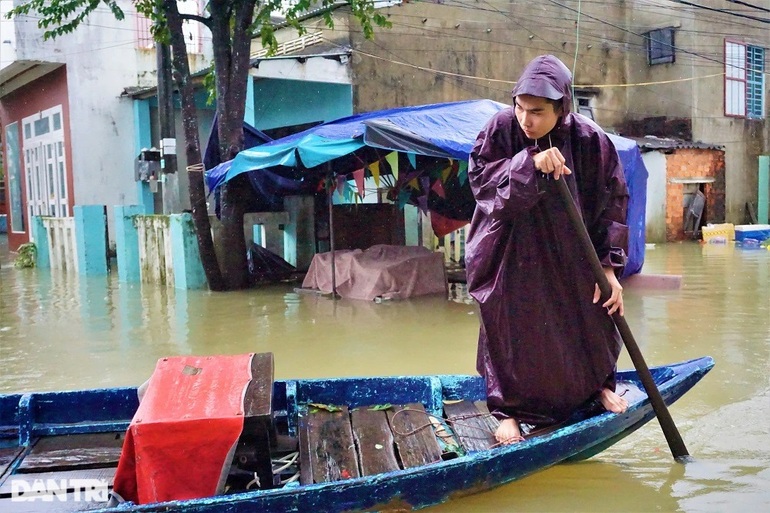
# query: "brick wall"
[693,164]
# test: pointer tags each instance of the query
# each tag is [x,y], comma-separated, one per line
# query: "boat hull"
[431,484]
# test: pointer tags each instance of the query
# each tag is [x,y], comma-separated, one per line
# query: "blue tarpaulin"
[439,130]
[444,130]
[636,179]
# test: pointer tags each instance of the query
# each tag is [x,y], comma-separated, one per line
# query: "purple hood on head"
[547,77]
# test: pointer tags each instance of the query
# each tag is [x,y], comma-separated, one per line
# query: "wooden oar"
[675,442]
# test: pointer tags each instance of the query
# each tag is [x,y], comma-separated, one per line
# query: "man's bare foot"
[612,401]
[508,432]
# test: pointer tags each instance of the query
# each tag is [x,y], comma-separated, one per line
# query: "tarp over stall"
[441,130]
[423,136]
[381,271]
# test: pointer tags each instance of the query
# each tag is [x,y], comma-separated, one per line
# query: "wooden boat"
[414,441]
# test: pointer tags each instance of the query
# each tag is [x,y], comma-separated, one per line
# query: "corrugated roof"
[651,142]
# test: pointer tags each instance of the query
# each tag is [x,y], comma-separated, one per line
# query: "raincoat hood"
[546,77]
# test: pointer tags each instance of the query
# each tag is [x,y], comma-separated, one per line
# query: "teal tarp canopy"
[438,130]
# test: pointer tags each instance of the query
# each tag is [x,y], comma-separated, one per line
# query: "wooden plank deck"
[7,456]
[374,441]
[105,474]
[329,445]
[63,500]
[346,444]
[71,452]
[474,427]
[414,436]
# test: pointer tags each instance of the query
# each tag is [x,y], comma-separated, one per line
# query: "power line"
[764,9]
[517,18]
[512,82]
[723,11]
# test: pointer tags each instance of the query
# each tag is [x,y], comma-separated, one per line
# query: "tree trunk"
[231,35]
[234,264]
[192,149]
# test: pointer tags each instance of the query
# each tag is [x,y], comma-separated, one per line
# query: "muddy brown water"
[61,332]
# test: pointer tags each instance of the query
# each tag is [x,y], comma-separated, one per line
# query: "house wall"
[102,60]
[205,115]
[439,52]
[101,120]
[276,102]
[655,208]
[744,139]
[43,93]
[699,93]
[685,164]
[661,90]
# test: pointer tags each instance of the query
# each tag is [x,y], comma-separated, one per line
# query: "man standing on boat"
[547,345]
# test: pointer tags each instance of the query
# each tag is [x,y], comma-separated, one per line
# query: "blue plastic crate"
[758,232]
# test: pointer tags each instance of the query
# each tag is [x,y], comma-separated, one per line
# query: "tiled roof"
[651,142]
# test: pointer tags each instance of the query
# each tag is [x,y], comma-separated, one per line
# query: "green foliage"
[364,11]
[210,84]
[63,16]
[59,17]
[325,407]
[27,256]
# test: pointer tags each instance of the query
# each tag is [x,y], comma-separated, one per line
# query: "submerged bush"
[27,256]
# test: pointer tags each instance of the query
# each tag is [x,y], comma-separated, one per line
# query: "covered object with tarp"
[381,271]
[422,150]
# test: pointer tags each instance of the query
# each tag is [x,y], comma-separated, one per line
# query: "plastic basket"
[713,231]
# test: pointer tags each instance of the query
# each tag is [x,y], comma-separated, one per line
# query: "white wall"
[101,62]
[655,224]
[7,35]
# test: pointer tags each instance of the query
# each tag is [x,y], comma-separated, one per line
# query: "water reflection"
[61,332]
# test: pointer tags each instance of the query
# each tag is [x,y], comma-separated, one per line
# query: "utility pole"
[166,123]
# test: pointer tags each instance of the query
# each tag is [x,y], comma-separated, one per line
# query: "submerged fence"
[157,249]
[73,244]
[62,244]
[149,248]
[163,249]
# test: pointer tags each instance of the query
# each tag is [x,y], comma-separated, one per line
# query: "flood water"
[61,332]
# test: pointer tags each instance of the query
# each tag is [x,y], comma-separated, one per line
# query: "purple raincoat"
[544,347]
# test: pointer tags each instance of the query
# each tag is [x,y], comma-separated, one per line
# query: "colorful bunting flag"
[438,189]
[424,184]
[462,173]
[412,160]
[445,173]
[403,198]
[358,176]
[422,202]
[341,183]
[392,159]
[375,170]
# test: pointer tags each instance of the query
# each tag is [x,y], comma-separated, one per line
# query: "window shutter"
[735,79]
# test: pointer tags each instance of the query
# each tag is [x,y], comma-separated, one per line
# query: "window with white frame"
[744,80]
[45,164]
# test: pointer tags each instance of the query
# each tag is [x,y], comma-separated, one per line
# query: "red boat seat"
[181,441]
